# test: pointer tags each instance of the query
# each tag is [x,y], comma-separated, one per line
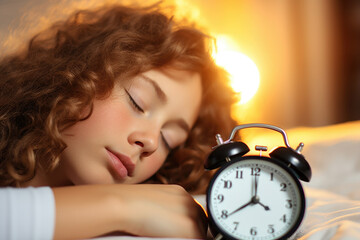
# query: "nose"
[147,141]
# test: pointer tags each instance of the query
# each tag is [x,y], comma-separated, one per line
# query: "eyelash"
[138,108]
[165,142]
[133,103]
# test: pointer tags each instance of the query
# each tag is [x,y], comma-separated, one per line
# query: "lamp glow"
[244,74]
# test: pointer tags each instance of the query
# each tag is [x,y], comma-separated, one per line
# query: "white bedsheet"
[330,216]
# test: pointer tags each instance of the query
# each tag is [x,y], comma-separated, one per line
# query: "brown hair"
[44,89]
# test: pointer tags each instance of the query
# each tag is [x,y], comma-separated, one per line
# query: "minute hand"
[238,209]
[256,185]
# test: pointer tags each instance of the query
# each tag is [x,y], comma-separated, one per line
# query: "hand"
[142,210]
[162,211]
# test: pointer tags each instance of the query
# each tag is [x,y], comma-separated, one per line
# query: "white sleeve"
[27,213]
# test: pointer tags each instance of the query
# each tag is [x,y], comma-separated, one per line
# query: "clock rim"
[216,229]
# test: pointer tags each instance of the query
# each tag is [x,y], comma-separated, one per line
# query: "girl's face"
[129,135]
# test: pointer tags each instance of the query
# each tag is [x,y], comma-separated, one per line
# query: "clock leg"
[218,237]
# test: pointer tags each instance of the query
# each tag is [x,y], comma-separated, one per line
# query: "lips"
[122,164]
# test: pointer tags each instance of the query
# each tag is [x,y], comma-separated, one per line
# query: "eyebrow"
[163,98]
[157,88]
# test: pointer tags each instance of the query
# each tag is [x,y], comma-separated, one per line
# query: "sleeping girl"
[97,104]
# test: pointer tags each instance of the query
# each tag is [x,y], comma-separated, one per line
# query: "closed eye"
[133,103]
[165,142]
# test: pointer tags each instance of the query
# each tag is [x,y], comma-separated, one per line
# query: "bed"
[333,194]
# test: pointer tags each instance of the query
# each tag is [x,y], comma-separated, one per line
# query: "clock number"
[224,214]
[220,197]
[255,171]
[227,184]
[271,229]
[253,231]
[236,225]
[271,176]
[239,174]
[283,187]
[288,204]
[283,218]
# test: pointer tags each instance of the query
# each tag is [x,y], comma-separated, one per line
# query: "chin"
[91,179]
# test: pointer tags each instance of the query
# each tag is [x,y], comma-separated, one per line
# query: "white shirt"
[27,213]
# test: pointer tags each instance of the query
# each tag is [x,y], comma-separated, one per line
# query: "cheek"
[110,114]
[150,166]
[107,117]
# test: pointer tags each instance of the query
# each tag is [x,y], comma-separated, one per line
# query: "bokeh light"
[244,74]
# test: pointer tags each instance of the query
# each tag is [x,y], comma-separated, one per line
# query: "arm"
[143,210]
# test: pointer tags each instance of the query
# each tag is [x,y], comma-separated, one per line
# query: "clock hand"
[242,207]
[264,206]
[256,200]
[256,185]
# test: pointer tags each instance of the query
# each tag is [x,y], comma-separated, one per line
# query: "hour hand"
[264,206]
[238,209]
[256,200]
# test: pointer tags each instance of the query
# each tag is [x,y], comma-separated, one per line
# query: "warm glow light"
[244,74]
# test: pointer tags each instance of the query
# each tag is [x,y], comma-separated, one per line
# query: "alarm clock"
[254,196]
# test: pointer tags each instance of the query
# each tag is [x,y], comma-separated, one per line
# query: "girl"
[106,99]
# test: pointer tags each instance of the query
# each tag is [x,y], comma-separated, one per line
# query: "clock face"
[254,198]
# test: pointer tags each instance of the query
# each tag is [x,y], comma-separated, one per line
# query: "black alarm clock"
[255,197]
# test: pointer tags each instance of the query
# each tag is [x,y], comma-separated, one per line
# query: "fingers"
[192,216]
[164,211]
[203,221]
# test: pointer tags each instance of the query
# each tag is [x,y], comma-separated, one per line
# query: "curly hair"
[45,88]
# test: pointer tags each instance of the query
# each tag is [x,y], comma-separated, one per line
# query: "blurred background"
[300,58]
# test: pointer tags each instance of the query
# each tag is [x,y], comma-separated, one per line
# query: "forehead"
[180,89]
